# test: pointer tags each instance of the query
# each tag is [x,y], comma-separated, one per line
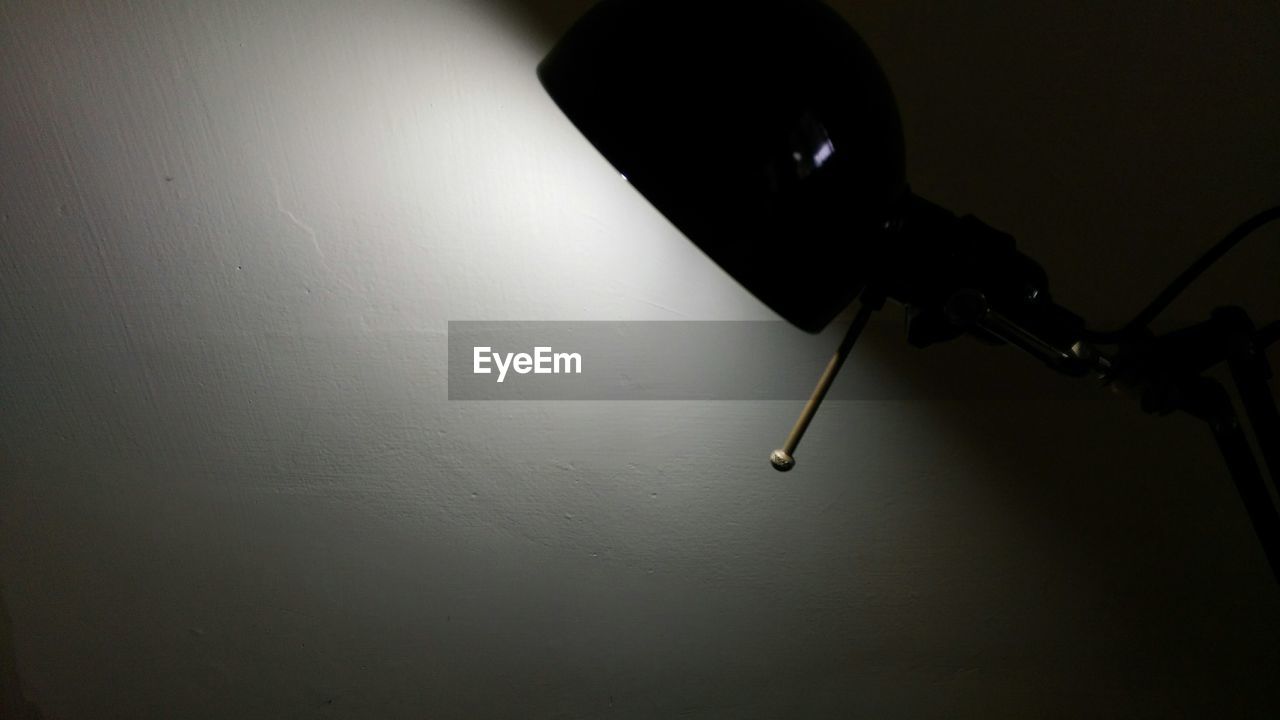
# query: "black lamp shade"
[766,132]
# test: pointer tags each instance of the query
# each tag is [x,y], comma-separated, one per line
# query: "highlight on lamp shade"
[765,132]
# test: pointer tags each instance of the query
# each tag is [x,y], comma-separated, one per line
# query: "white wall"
[231,485]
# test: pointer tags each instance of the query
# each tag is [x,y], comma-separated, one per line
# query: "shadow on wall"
[1137,507]
[546,19]
[13,705]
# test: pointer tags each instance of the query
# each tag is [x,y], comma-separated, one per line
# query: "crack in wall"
[311,233]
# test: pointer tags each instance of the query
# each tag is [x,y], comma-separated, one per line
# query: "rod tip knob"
[781,460]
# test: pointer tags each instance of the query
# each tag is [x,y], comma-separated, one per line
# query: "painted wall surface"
[232,486]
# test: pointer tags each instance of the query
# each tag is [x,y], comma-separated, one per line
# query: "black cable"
[1140,322]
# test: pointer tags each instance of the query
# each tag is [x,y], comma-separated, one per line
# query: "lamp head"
[765,132]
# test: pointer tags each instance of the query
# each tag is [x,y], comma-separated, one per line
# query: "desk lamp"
[767,133]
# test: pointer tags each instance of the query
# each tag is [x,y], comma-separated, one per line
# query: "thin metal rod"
[1244,470]
[784,458]
[1250,373]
